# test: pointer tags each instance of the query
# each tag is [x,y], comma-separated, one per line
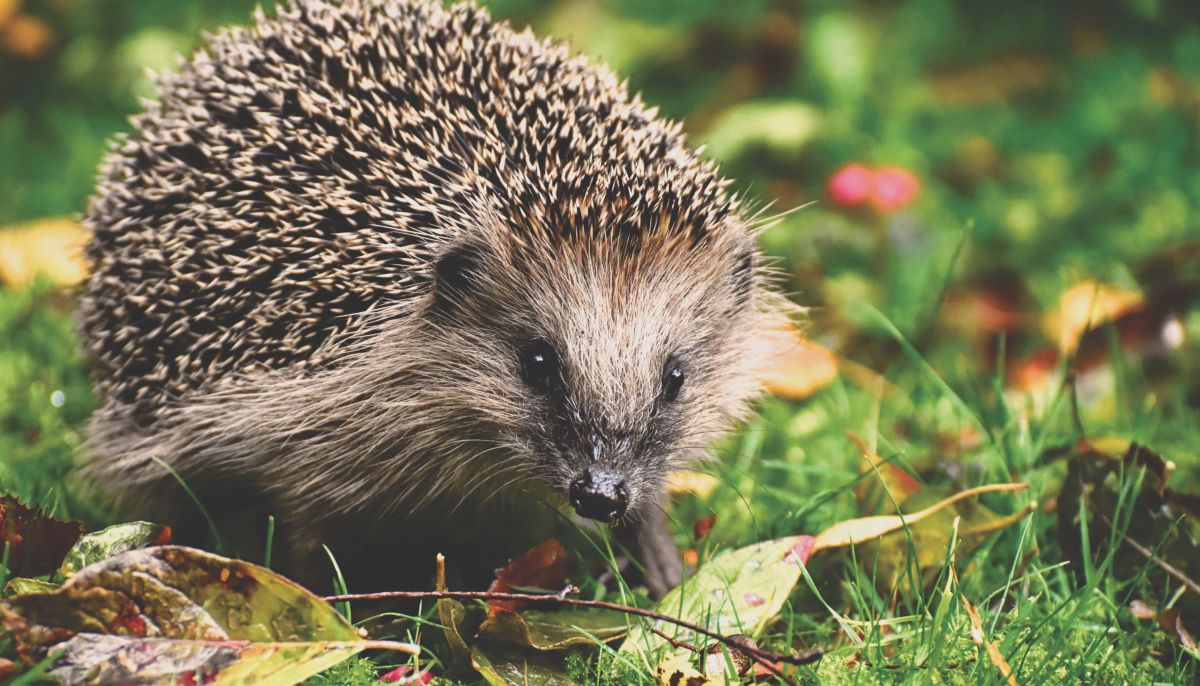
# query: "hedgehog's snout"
[599,494]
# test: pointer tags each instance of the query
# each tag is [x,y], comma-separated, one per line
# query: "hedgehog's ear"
[455,275]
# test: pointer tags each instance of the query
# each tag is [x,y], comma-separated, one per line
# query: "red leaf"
[404,675]
[37,543]
[704,525]
[801,551]
[1172,622]
[544,566]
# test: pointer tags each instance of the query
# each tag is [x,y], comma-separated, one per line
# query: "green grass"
[1052,146]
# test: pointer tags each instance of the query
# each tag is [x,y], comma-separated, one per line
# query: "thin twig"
[674,641]
[1167,567]
[767,658]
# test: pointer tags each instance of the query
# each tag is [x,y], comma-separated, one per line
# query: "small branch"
[675,642]
[767,658]
[1167,567]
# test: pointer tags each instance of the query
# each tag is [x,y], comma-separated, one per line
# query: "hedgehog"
[408,279]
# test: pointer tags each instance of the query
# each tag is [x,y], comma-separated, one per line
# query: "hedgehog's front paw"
[657,558]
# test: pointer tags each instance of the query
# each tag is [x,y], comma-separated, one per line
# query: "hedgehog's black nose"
[599,494]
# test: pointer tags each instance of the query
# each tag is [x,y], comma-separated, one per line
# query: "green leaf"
[554,630]
[780,126]
[114,540]
[736,592]
[503,666]
[21,585]
[453,615]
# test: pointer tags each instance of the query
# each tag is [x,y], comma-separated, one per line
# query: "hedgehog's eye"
[672,381]
[539,364]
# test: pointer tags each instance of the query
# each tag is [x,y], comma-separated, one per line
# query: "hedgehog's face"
[602,373]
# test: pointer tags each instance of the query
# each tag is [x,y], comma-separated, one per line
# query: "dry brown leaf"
[797,367]
[1141,610]
[1085,306]
[867,528]
[34,541]
[1171,621]
[980,639]
[543,566]
[878,473]
[52,247]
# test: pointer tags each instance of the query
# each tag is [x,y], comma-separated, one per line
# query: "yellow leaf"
[797,367]
[8,8]
[26,36]
[867,528]
[676,670]
[686,481]
[1085,306]
[51,247]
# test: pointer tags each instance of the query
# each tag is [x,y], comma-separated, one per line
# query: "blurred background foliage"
[1051,142]
[1011,187]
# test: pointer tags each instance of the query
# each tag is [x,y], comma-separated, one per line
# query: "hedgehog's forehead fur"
[281,213]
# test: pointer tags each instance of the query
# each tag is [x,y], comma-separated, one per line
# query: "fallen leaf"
[1083,307]
[556,630]
[50,247]
[867,528]
[543,566]
[1141,610]
[716,595]
[186,610]
[501,666]
[1172,622]
[884,483]
[675,669]
[797,367]
[453,615]
[404,675]
[704,526]
[1153,530]
[20,585]
[114,540]
[108,659]
[36,542]
[923,545]
[980,639]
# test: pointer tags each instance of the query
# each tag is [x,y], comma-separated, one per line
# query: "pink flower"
[895,188]
[851,185]
[887,189]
